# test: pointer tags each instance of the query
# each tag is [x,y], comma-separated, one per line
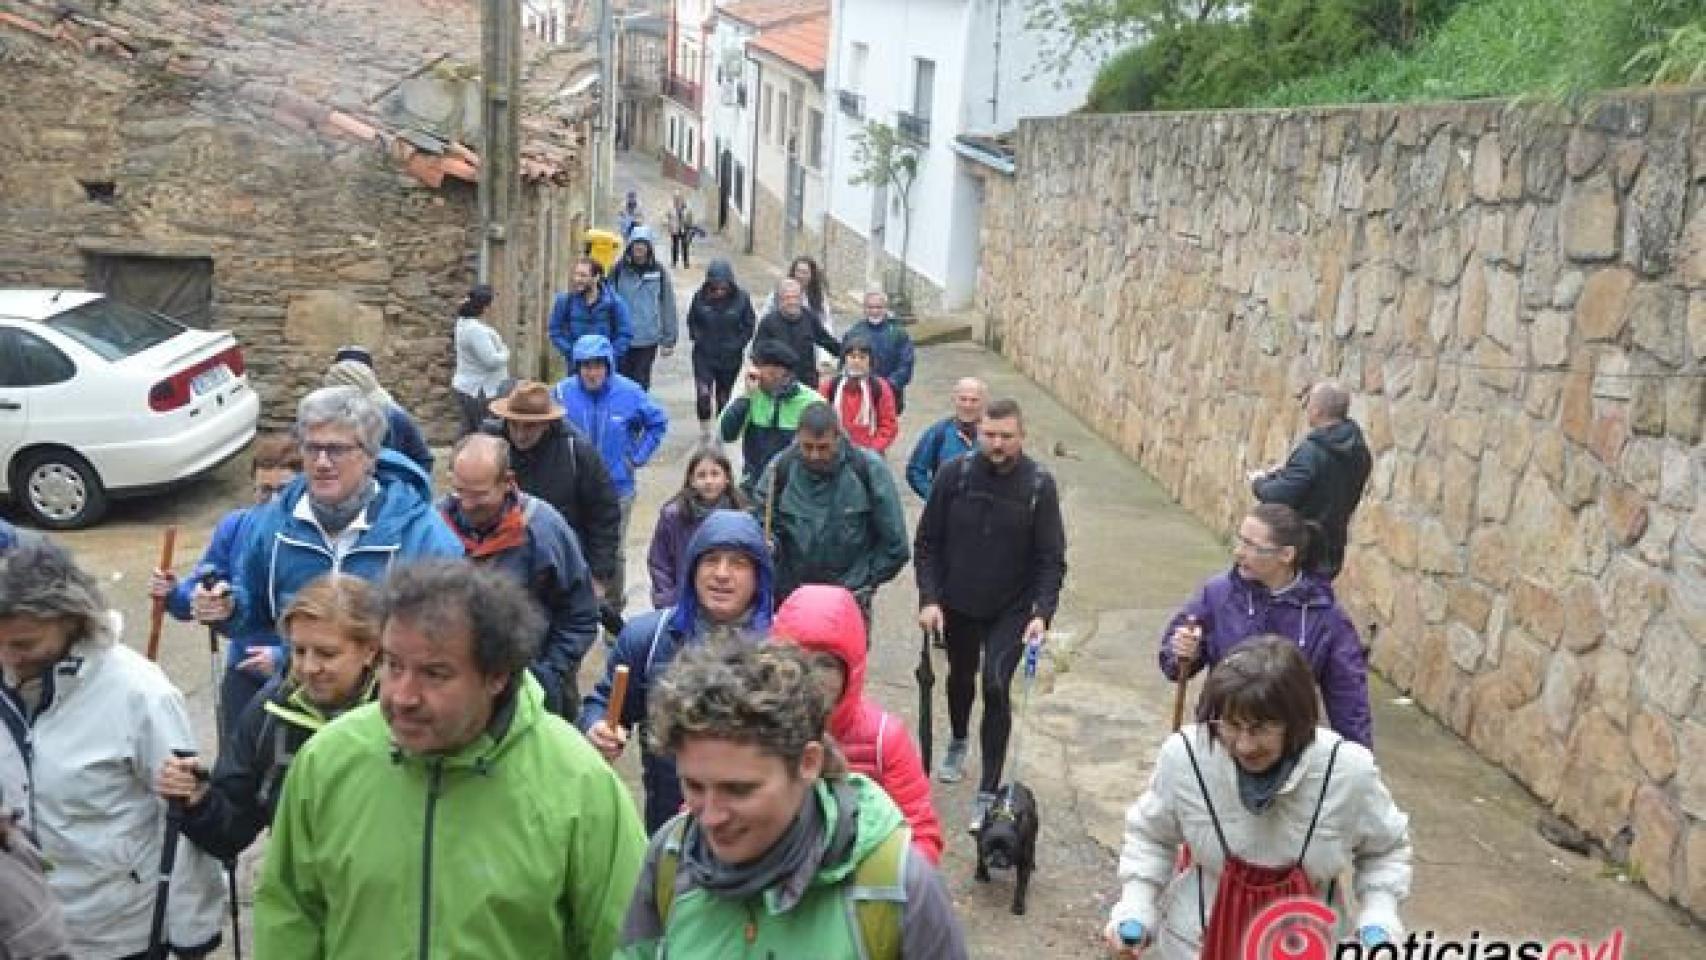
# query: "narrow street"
[1099,709]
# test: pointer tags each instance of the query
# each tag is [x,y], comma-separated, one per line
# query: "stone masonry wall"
[847,252]
[1516,294]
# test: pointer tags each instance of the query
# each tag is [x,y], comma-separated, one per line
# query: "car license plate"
[210,380]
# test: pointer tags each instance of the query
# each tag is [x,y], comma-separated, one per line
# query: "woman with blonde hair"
[332,626]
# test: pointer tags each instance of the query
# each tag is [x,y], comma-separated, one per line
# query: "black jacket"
[1323,479]
[720,329]
[564,470]
[990,542]
[800,335]
[249,777]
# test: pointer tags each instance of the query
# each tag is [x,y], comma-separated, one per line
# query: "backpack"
[785,466]
[962,482]
[878,910]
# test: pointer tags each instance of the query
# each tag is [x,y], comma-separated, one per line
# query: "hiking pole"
[925,674]
[158,613]
[1182,667]
[210,579]
[157,947]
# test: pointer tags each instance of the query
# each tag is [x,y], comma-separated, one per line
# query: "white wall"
[724,118]
[782,78]
[1022,87]
[896,32]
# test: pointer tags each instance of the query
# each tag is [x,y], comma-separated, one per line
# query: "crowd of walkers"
[401,701]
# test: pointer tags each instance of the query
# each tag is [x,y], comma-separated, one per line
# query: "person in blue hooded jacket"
[620,419]
[726,597]
[592,306]
[645,286]
[357,509]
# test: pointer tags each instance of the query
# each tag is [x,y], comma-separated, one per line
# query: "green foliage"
[1297,52]
[882,158]
[1074,29]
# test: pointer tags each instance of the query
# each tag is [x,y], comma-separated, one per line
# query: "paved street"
[1100,708]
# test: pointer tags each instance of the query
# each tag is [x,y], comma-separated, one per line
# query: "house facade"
[684,85]
[642,65]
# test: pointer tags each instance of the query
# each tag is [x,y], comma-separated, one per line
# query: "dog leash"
[1033,653]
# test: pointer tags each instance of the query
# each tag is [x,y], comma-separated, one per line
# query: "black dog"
[1008,839]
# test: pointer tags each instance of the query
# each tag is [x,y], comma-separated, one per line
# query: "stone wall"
[1517,296]
[846,254]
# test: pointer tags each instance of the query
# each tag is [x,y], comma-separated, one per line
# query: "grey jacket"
[649,293]
[31,926]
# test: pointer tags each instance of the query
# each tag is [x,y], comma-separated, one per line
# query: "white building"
[766,125]
[684,84]
[937,71]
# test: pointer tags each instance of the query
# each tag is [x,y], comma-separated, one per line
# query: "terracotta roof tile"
[770,13]
[803,43]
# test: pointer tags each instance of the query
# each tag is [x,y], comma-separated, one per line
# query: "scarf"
[866,417]
[698,510]
[805,844]
[335,517]
[508,533]
[1259,790]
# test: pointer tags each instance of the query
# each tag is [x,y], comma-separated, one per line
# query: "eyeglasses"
[334,452]
[1260,549]
[1230,730]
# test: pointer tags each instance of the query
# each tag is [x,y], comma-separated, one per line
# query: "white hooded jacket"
[112,721]
[1360,829]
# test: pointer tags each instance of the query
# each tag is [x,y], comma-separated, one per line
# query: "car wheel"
[59,490]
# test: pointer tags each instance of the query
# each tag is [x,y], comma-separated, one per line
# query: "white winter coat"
[113,719]
[1360,828]
[482,360]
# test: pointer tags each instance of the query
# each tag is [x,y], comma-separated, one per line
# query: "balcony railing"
[684,92]
[852,104]
[913,127]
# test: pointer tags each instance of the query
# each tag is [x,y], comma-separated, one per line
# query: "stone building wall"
[1516,294]
[846,256]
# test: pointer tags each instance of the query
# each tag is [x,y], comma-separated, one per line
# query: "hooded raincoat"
[623,422]
[806,913]
[1323,480]
[1232,609]
[522,844]
[650,641]
[284,550]
[720,327]
[573,318]
[876,743]
[648,291]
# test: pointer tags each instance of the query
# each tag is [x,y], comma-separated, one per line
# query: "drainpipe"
[752,170]
[995,89]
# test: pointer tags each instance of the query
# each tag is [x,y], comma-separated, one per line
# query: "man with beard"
[526,538]
[456,817]
[990,559]
[591,306]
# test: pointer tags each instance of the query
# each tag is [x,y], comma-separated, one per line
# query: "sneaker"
[953,768]
[980,808]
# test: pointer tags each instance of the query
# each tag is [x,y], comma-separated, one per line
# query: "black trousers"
[636,365]
[679,246]
[711,388]
[996,644]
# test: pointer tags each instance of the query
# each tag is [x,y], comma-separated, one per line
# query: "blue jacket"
[548,562]
[572,319]
[403,436]
[648,292]
[8,536]
[939,444]
[650,641]
[620,419]
[282,553]
[217,559]
[891,352]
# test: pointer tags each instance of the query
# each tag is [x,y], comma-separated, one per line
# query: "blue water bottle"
[1131,932]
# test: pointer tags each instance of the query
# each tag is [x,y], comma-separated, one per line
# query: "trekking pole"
[1182,666]
[158,613]
[157,947]
[209,579]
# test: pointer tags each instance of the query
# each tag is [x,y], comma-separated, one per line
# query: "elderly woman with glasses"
[1273,588]
[1273,808]
[357,509]
[92,719]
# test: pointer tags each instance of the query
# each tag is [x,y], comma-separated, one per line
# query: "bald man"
[528,539]
[949,437]
[1325,475]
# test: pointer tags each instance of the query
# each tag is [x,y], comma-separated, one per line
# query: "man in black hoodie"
[1324,477]
[990,558]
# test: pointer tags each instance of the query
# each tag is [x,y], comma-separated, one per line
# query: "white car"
[99,399]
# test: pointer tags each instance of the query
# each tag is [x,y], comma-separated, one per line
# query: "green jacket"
[806,915]
[521,845]
[845,528]
[764,425]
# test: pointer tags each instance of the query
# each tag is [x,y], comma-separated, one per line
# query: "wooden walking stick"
[1182,666]
[618,696]
[770,507]
[158,614]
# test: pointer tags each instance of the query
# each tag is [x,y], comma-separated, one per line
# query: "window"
[114,330]
[923,87]
[671,134]
[814,139]
[764,110]
[856,66]
[782,120]
[690,138]
[738,194]
[27,360]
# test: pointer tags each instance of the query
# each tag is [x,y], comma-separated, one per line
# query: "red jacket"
[876,436]
[824,618]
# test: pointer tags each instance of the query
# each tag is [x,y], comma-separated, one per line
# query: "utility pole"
[604,162]
[500,147]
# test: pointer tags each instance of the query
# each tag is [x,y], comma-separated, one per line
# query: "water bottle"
[1131,932]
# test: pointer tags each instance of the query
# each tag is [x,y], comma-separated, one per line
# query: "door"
[179,287]
[795,210]
[725,173]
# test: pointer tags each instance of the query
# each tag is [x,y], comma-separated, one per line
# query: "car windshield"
[114,330]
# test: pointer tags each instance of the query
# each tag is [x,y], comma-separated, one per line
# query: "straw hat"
[529,402]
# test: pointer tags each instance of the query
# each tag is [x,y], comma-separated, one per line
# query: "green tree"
[884,159]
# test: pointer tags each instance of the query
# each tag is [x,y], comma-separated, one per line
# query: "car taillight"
[169,394]
[174,391]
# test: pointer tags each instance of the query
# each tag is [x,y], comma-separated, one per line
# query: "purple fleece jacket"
[1232,609]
